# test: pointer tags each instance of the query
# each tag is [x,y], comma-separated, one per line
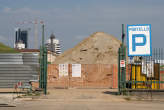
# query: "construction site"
[100,70]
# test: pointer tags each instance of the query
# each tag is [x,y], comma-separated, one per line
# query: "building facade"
[21,38]
[53,45]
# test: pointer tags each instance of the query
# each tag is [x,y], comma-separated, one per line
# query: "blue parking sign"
[139,40]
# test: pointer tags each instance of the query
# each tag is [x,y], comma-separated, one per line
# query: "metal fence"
[146,73]
[16,68]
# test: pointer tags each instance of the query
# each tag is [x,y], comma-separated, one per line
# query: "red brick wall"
[115,76]
[93,76]
[162,79]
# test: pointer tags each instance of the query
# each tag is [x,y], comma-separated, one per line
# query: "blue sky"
[73,20]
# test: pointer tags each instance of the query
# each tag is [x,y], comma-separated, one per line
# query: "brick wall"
[93,76]
[162,79]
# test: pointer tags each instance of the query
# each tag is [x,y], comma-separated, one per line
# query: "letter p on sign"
[139,40]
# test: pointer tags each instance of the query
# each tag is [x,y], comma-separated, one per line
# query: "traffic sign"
[122,63]
[139,40]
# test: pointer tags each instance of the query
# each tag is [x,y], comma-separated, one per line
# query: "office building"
[53,45]
[21,37]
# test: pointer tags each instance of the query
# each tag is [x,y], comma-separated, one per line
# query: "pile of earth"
[99,48]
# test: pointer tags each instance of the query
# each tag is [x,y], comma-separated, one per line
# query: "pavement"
[78,99]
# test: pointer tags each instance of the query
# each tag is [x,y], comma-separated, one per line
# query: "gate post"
[43,65]
[45,70]
[119,71]
[122,70]
[41,75]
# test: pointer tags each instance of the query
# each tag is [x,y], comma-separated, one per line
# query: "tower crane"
[35,22]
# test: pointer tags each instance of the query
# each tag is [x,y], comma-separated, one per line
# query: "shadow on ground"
[7,105]
[111,92]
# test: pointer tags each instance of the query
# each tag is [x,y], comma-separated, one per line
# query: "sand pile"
[99,48]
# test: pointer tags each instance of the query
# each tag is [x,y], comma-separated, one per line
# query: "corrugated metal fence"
[18,67]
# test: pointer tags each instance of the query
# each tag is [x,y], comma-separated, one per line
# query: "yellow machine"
[138,76]
[155,85]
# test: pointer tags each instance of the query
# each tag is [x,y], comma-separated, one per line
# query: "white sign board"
[76,70]
[139,40]
[148,68]
[122,63]
[63,70]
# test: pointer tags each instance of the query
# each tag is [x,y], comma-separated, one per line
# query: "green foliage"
[6,49]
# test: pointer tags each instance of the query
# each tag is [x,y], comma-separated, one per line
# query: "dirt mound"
[99,48]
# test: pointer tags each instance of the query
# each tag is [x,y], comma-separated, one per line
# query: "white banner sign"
[76,70]
[148,68]
[63,70]
[139,40]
